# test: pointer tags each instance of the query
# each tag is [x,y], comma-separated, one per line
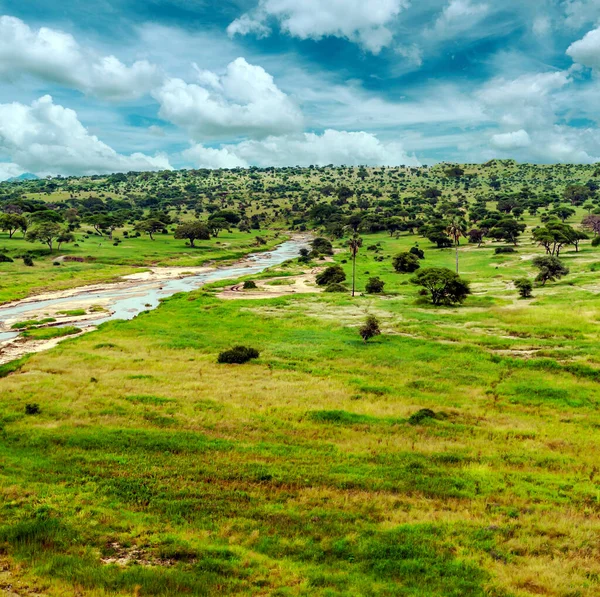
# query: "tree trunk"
[353,273]
[457,258]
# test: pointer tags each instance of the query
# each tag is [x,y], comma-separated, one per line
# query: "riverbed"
[125,299]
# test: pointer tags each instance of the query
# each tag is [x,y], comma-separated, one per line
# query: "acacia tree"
[443,285]
[13,222]
[46,232]
[551,269]
[193,231]
[150,227]
[355,243]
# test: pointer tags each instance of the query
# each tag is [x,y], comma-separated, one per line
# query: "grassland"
[152,470]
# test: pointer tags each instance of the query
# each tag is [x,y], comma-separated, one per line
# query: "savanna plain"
[434,435]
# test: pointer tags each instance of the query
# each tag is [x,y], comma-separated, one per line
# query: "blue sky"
[104,86]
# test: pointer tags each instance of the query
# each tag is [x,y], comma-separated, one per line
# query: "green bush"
[374,286]
[336,287]
[332,275]
[238,355]
[406,263]
[249,285]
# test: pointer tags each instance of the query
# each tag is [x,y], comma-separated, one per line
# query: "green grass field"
[152,470]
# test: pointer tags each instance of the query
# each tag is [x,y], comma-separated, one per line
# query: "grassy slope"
[300,474]
[110,262]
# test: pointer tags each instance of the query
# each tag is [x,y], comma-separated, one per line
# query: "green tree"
[354,244]
[12,222]
[375,285]
[331,275]
[444,286]
[150,227]
[455,229]
[193,231]
[45,232]
[550,269]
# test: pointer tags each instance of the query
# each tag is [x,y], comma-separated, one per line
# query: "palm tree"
[456,228]
[355,243]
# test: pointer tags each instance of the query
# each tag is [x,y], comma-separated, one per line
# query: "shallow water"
[126,303]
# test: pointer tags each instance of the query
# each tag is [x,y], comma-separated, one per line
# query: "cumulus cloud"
[331,147]
[526,100]
[46,138]
[514,140]
[586,51]
[365,23]
[580,12]
[245,101]
[55,56]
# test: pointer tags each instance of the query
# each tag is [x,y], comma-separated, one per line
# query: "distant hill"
[24,176]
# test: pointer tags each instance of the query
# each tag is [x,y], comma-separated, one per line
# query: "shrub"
[5,258]
[336,287]
[238,355]
[249,285]
[374,286]
[425,414]
[524,286]
[502,250]
[417,252]
[444,286]
[406,263]
[27,260]
[322,246]
[596,241]
[370,329]
[32,409]
[333,274]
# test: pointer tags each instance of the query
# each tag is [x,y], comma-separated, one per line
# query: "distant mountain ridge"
[24,176]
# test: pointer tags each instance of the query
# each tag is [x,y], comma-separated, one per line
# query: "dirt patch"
[19,347]
[302,284]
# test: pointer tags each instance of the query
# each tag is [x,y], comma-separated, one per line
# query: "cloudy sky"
[118,85]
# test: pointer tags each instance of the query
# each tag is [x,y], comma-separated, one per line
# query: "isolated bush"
[596,241]
[5,258]
[406,263]
[32,409]
[444,286]
[417,252]
[374,285]
[524,286]
[336,287]
[502,250]
[322,246]
[249,284]
[425,414]
[333,274]
[238,355]
[27,260]
[370,329]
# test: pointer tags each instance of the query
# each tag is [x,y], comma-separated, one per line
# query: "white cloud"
[45,138]
[586,51]
[331,147]
[542,26]
[581,12]
[206,157]
[458,16]
[527,100]
[412,53]
[8,170]
[245,101]
[363,22]
[509,141]
[56,56]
